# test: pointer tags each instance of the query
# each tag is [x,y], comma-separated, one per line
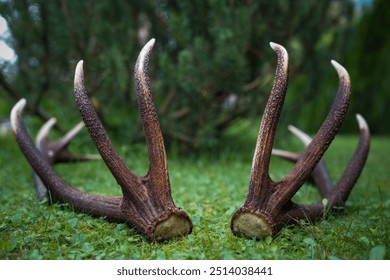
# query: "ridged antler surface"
[268,206]
[146,203]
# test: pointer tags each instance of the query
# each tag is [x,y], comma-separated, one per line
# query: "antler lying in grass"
[268,206]
[146,203]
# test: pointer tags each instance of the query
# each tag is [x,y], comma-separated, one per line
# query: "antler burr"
[146,203]
[268,206]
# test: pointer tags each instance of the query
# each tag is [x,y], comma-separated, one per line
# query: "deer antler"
[268,206]
[146,203]
[56,151]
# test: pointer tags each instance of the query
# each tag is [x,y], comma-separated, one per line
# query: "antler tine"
[260,166]
[315,150]
[320,173]
[60,145]
[286,155]
[338,194]
[158,168]
[123,175]
[42,142]
[354,168]
[305,139]
[70,135]
[60,191]
[42,137]
[55,152]
[268,206]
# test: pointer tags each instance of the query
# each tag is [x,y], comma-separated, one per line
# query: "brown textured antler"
[337,194]
[56,151]
[268,206]
[146,203]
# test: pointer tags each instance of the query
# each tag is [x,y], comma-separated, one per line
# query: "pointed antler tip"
[79,73]
[341,71]
[291,127]
[152,41]
[305,138]
[143,56]
[362,122]
[19,106]
[44,131]
[16,110]
[80,125]
[281,52]
[277,47]
[147,48]
[274,45]
[80,64]
[21,103]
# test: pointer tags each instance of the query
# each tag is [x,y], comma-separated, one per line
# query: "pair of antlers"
[147,203]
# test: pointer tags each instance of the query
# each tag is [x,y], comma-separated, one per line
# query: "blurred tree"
[218,65]
[369,64]
[214,64]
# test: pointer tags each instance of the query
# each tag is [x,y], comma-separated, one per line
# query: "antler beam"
[268,206]
[146,203]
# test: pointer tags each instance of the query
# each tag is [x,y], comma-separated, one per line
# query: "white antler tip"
[147,48]
[44,132]
[143,57]
[281,51]
[341,71]
[362,122]
[277,47]
[16,110]
[79,73]
[151,42]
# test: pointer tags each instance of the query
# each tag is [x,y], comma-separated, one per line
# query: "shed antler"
[268,206]
[146,203]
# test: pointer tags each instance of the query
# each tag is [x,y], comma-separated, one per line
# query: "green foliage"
[369,64]
[212,62]
[210,188]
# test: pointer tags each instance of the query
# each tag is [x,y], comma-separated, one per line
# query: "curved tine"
[286,155]
[320,174]
[305,139]
[343,188]
[262,154]
[61,191]
[41,142]
[352,172]
[315,150]
[68,137]
[123,175]
[158,168]
[41,139]
[63,155]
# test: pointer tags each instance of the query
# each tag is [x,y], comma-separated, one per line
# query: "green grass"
[210,188]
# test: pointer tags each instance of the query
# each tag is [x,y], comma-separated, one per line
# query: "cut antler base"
[268,206]
[146,203]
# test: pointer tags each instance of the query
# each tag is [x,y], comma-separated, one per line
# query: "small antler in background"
[56,152]
[268,206]
[146,203]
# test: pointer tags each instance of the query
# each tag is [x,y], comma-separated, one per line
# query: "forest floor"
[210,187]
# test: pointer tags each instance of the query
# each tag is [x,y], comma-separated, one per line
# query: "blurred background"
[211,69]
